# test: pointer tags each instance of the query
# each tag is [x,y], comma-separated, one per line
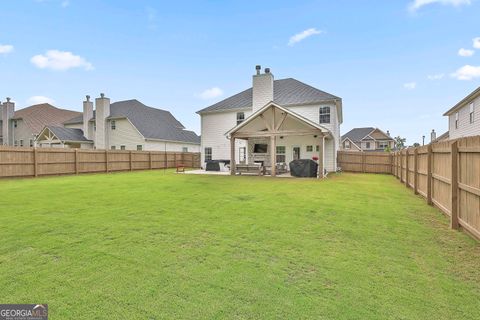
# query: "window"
[31,143]
[240,117]
[113,124]
[15,143]
[456,120]
[208,154]
[139,147]
[317,148]
[113,147]
[281,150]
[367,145]
[383,144]
[184,149]
[472,117]
[21,142]
[15,124]
[347,144]
[122,147]
[94,127]
[324,115]
[309,148]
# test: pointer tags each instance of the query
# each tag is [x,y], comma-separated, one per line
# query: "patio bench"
[249,169]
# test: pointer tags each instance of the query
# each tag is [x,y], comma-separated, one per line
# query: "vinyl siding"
[465,128]
[21,132]
[213,129]
[125,134]
[215,125]
[151,145]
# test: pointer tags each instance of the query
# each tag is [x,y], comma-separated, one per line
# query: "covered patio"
[275,136]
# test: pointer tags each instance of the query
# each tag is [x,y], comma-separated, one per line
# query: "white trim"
[268,105]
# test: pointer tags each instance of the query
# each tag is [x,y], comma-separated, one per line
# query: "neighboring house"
[464,117]
[21,128]
[443,137]
[273,121]
[122,125]
[367,139]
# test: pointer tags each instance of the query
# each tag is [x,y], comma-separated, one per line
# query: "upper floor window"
[456,120]
[208,154]
[383,144]
[324,115]
[347,144]
[15,123]
[240,117]
[113,124]
[472,115]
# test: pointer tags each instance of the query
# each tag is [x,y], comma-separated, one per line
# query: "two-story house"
[464,117]
[21,127]
[122,125]
[274,121]
[367,139]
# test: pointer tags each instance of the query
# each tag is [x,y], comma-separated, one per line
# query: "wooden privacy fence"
[447,175]
[371,162]
[34,162]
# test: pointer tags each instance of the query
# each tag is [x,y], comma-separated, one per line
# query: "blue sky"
[394,63]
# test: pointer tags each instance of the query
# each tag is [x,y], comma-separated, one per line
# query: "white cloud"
[417,4]
[465,52]
[476,43]
[467,72]
[38,100]
[410,85]
[303,35]
[5,48]
[60,61]
[211,93]
[437,76]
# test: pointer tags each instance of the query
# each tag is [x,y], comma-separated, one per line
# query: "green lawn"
[150,245]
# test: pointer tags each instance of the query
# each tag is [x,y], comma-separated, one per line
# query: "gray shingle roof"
[68,134]
[150,122]
[357,134]
[285,92]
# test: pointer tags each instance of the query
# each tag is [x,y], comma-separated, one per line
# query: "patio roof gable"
[275,119]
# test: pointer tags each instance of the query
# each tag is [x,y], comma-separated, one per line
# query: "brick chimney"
[87,115]
[262,88]
[102,111]
[8,110]
[433,136]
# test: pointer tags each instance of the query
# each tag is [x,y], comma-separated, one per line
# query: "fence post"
[392,171]
[363,162]
[429,174]
[175,159]
[406,168]
[76,161]
[130,159]
[150,159]
[35,163]
[401,166]
[106,160]
[415,170]
[165,160]
[454,186]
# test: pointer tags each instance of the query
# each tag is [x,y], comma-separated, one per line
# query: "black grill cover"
[303,168]
[212,166]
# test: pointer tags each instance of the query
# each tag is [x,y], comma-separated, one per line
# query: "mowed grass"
[150,245]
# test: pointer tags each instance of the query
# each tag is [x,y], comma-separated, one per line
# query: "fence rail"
[34,162]
[446,174]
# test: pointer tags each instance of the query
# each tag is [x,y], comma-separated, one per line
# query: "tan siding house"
[367,139]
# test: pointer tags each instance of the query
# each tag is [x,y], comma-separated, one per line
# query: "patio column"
[273,154]
[232,156]
[321,156]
